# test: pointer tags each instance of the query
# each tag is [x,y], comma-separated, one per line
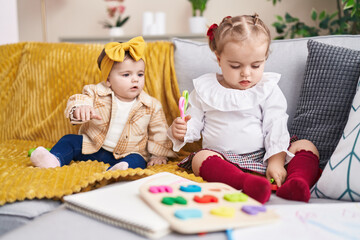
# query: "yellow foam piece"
[223,212]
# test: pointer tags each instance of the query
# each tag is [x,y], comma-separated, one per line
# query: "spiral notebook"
[120,204]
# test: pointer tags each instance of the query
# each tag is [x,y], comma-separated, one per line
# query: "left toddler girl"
[121,124]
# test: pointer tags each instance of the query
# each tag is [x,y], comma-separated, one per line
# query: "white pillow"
[341,177]
[192,59]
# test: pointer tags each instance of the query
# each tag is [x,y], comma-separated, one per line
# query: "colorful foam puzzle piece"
[172,200]
[236,197]
[223,211]
[189,213]
[274,187]
[160,189]
[253,210]
[215,189]
[206,199]
[190,188]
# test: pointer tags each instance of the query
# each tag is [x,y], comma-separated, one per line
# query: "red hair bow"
[210,32]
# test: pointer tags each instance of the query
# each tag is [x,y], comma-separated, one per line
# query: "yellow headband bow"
[115,52]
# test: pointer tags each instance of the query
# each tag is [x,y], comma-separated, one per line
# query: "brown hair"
[238,29]
[100,58]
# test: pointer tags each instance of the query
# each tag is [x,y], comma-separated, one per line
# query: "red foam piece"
[274,187]
[206,199]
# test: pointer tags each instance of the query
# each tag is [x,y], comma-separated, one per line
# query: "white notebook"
[120,204]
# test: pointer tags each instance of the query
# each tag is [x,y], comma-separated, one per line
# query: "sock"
[119,166]
[302,173]
[215,169]
[42,158]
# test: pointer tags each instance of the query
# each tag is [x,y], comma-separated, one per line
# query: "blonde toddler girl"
[241,117]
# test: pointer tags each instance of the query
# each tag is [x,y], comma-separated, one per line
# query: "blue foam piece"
[185,214]
[190,188]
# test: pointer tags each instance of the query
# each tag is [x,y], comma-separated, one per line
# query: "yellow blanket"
[36,80]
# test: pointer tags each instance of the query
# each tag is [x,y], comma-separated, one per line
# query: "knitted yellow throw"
[36,80]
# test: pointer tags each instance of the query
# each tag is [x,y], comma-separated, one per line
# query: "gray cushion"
[329,87]
[13,215]
[288,57]
[192,59]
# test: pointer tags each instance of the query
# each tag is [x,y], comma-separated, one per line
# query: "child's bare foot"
[120,166]
[42,158]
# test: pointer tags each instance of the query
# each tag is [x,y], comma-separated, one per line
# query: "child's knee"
[71,138]
[199,158]
[303,144]
[135,161]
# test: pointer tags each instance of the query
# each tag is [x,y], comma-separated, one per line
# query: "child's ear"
[108,83]
[217,58]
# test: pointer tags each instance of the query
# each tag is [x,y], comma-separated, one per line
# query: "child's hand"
[277,173]
[157,160]
[85,113]
[276,169]
[179,127]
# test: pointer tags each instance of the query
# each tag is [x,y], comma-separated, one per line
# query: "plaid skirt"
[248,162]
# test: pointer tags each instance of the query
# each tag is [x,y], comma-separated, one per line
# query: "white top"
[239,121]
[117,124]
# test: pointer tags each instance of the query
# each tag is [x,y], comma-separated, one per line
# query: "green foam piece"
[172,200]
[236,197]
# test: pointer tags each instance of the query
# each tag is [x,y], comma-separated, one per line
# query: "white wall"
[79,18]
[9,30]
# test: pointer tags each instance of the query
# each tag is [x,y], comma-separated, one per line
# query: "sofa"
[37,78]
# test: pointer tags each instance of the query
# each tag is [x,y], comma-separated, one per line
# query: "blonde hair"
[238,28]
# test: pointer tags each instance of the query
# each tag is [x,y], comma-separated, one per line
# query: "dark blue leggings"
[69,148]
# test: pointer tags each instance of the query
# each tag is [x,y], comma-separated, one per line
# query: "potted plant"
[197,22]
[115,11]
[346,20]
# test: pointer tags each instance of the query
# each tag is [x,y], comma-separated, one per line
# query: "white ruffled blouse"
[239,121]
